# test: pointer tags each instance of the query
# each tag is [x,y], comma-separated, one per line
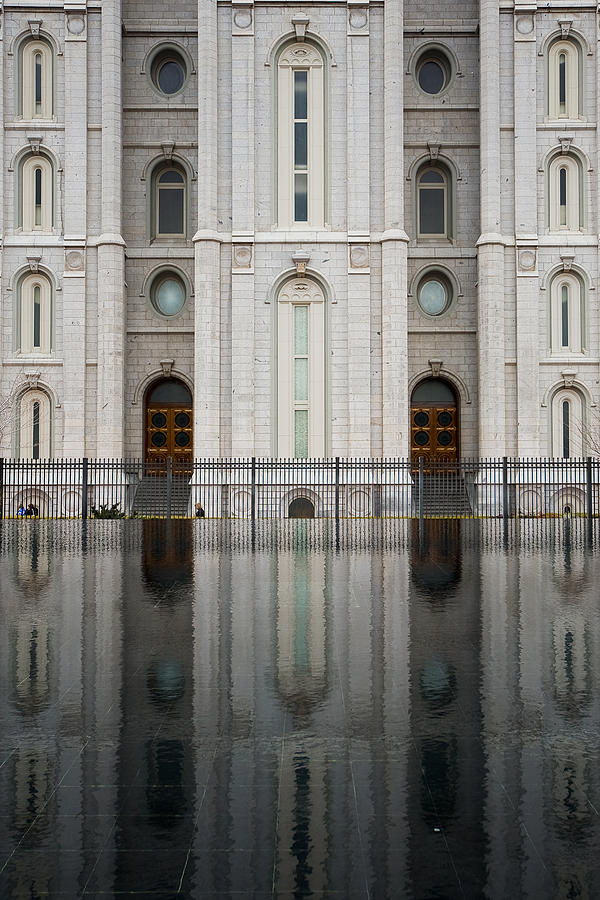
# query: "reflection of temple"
[427,715]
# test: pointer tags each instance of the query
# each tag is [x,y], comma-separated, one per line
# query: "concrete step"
[151,496]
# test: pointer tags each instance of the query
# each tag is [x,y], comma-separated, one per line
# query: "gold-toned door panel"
[169,432]
[434,433]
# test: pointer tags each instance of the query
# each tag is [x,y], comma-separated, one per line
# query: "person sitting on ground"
[199,511]
[32,510]
[21,511]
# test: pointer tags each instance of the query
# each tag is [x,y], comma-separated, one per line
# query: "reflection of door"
[434,432]
[168,432]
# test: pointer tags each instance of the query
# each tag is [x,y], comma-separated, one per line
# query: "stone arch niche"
[168,421]
[434,418]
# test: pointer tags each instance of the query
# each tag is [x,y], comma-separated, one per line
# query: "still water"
[196,710]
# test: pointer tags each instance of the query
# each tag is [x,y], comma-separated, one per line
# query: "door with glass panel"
[169,423]
[434,422]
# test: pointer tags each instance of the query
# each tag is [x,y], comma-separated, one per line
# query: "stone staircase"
[444,495]
[151,496]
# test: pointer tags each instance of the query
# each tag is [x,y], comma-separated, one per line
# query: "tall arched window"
[564,88]
[433,202]
[565,194]
[36,80]
[301,380]
[169,199]
[34,425]
[36,315]
[568,424]
[566,314]
[36,194]
[300,137]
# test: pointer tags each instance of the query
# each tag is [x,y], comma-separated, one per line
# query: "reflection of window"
[564,74]
[34,426]
[300,136]
[566,314]
[565,194]
[36,187]
[433,203]
[36,315]
[169,202]
[301,369]
[36,80]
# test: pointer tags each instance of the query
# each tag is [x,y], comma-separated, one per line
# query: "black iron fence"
[331,488]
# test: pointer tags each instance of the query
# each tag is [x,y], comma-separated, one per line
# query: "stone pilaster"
[111,246]
[358,194]
[490,254]
[207,356]
[242,274]
[527,282]
[394,325]
[75,224]
[4,438]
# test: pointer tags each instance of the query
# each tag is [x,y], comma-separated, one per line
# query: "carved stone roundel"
[243,18]
[358,19]
[527,260]
[74,260]
[525,24]
[242,257]
[76,24]
[359,256]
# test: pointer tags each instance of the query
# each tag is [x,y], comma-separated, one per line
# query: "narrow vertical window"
[563,196]
[38,83]
[562,84]
[564,328]
[566,429]
[37,175]
[37,343]
[35,430]
[300,146]
[170,204]
[301,378]
[432,210]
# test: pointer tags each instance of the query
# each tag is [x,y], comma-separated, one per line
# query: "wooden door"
[169,433]
[434,433]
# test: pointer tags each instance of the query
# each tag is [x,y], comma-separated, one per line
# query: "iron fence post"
[589,494]
[253,491]
[84,488]
[421,500]
[1,487]
[169,486]
[505,487]
[337,489]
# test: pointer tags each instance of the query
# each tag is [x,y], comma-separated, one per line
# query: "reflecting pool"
[198,709]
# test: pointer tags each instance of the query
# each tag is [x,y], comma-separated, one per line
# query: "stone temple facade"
[260,227]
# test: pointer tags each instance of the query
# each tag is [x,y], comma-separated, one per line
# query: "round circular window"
[433,72]
[169,72]
[168,294]
[434,295]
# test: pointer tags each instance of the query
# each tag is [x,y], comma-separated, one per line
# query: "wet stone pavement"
[195,710]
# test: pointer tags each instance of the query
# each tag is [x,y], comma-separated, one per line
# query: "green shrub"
[106,512]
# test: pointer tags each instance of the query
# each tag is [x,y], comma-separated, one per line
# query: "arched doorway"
[301,508]
[169,421]
[434,422]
